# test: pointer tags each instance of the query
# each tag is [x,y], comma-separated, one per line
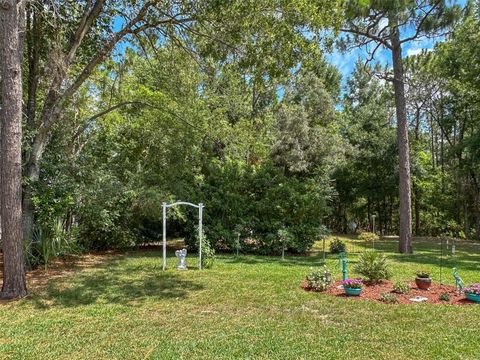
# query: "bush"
[444,297]
[388,298]
[49,243]
[337,246]
[262,198]
[319,280]
[373,266]
[368,237]
[208,252]
[401,288]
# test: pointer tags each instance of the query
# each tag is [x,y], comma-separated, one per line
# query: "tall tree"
[86,32]
[391,24]
[11,22]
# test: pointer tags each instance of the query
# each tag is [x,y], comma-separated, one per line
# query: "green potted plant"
[352,287]
[423,280]
[472,293]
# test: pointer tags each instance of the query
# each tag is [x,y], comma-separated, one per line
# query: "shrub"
[373,266]
[337,246]
[401,288]
[368,236]
[444,297]
[388,298]
[423,274]
[208,252]
[352,283]
[319,280]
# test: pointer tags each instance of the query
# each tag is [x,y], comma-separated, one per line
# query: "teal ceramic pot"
[473,297]
[352,292]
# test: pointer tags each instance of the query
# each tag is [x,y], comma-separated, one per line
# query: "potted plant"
[352,287]
[423,280]
[472,293]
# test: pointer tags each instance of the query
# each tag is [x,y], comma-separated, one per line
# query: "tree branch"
[419,26]
[357,31]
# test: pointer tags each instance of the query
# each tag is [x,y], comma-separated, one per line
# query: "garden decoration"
[423,280]
[418,299]
[441,258]
[238,232]
[237,243]
[181,255]
[373,231]
[200,207]
[458,280]
[352,287]
[342,260]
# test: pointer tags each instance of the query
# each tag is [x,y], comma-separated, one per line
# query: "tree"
[82,36]
[11,23]
[367,182]
[391,24]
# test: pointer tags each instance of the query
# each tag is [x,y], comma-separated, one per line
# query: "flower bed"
[373,292]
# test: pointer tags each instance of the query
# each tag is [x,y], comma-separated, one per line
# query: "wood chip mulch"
[373,292]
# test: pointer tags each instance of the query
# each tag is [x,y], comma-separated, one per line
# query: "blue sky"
[345,62]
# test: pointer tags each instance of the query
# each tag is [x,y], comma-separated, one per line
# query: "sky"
[345,62]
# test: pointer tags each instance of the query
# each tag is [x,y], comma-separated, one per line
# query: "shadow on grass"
[117,282]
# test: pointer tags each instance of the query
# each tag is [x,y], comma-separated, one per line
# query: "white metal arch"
[200,207]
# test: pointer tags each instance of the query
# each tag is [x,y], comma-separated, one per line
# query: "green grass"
[249,307]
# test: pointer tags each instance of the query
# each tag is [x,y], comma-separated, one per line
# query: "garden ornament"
[458,280]
[181,255]
[342,259]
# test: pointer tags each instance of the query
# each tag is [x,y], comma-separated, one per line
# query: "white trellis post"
[200,234]
[164,215]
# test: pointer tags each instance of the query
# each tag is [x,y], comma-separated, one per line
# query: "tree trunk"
[405,243]
[11,150]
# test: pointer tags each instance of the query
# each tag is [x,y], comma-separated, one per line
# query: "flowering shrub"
[352,283]
[319,280]
[474,289]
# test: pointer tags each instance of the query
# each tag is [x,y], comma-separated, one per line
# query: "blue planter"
[352,292]
[473,297]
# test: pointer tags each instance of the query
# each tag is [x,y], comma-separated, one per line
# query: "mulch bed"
[372,292]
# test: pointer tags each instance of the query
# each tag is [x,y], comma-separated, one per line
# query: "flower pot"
[423,283]
[352,291]
[473,297]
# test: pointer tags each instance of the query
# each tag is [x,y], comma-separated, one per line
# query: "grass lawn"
[249,307]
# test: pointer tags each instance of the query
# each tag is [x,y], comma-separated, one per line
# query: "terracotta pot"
[423,283]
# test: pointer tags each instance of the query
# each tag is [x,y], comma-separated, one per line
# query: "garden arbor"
[165,206]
